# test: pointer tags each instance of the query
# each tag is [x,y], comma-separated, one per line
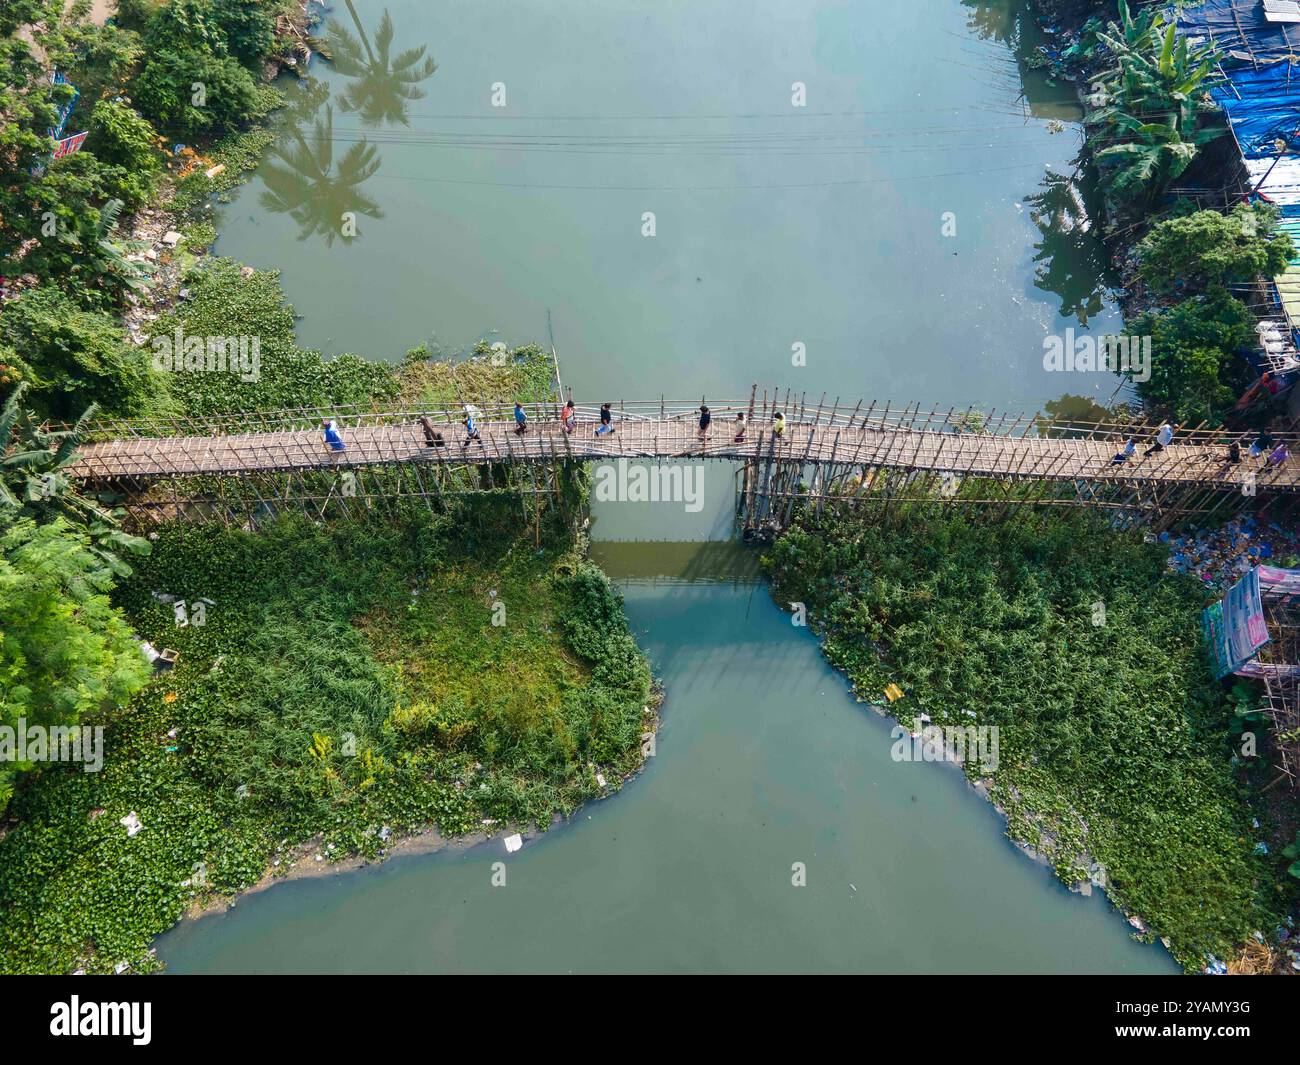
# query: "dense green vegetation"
[61,245]
[1195,250]
[1152,111]
[1196,373]
[66,654]
[345,681]
[1115,743]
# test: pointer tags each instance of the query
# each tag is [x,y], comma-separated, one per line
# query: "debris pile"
[1221,556]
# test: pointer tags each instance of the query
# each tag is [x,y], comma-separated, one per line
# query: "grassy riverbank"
[347,684]
[1115,745]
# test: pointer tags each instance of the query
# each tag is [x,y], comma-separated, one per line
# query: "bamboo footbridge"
[827,453]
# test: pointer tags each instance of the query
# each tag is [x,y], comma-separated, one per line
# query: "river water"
[830,226]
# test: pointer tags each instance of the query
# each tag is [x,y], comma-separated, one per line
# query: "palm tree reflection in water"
[302,177]
[381,86]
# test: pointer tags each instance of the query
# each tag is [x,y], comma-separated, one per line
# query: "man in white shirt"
[1164,435]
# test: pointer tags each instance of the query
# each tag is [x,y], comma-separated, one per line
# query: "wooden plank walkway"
[880,445]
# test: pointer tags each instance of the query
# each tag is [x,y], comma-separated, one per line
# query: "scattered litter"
[513,843]
[171,238]
[1219,557]
[131,822]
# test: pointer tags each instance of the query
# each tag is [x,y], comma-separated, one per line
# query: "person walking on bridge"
[778,425]
[432,438]
[521,420]
[332,435]
[740,428]
[706,417]
[606,420]
[1278,456]
[1164,436]
[471,429]
[1130,446]
[569,419]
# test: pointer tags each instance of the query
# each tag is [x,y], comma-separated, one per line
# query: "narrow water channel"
[763,760]
[770,231]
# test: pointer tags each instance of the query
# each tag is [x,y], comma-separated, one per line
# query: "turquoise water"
[775,225]
[763,760]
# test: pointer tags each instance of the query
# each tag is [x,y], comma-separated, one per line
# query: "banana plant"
[1151,109]
[107,257]
[34,484]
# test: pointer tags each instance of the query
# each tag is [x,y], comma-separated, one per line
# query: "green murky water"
[773,226]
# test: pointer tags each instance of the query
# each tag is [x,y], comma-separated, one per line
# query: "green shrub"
[1204,248]
[227,96]
[67,654]
[119,135]
[1195,370]
[320,697]
[79,357]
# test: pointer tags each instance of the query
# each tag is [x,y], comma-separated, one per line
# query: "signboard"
[69,145]
[1234,627]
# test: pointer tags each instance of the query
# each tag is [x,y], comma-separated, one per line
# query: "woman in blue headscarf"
[332,436]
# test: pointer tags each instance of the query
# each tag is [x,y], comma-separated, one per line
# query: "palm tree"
[382,84]
[317,194]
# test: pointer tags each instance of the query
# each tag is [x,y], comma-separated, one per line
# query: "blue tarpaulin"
[1240,30]
[1263,106]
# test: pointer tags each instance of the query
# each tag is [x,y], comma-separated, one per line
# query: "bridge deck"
[881,445]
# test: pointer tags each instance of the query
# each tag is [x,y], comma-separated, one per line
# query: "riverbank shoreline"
[1075,727]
